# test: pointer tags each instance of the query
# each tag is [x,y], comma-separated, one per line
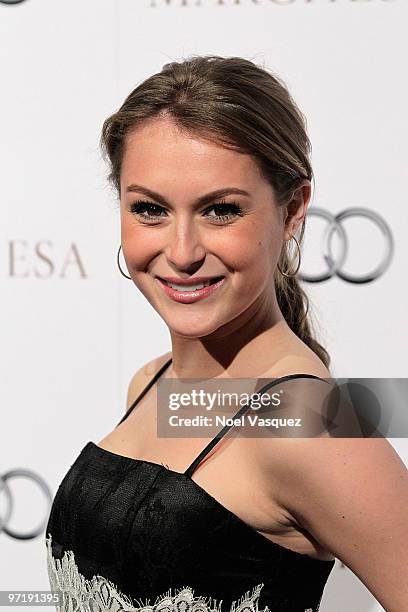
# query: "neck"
[247,346]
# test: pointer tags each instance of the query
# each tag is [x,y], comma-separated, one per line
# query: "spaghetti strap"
[193,466]
[145,390]
[190,470]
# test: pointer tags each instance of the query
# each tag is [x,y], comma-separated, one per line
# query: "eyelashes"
[228,210]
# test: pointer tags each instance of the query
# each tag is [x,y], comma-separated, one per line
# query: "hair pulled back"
[236,103]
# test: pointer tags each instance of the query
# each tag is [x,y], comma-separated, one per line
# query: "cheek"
[249,248]
[139,245]
[256,261]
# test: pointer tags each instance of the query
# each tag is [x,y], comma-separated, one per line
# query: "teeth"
[188,287]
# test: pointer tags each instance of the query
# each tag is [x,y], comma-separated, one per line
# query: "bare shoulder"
[280,454]
[143,376]
[276,453]
[299,363]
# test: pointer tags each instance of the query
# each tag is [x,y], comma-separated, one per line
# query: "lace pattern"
[100,595]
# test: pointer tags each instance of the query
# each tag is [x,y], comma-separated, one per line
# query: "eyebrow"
[205,199]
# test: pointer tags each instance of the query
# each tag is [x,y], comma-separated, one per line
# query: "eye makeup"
[229,211]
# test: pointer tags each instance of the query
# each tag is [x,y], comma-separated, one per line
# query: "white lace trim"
[100,594]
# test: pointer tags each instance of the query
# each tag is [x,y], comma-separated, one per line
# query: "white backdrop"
[73,330]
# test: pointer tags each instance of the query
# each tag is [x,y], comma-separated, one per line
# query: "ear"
[297,209]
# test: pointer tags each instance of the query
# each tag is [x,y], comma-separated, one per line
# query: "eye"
[151,212]
[141,206]
[228,210]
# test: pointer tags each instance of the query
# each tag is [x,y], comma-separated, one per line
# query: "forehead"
[159,155]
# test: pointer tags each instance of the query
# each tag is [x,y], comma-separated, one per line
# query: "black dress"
[129,535]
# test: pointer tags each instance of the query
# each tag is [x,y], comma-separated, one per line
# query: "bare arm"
[351,494]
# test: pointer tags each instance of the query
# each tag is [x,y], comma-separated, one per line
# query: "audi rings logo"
[5,492]
[334,265]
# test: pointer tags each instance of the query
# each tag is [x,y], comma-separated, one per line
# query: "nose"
[185,251]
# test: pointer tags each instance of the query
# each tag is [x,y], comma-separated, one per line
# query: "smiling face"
[173,225]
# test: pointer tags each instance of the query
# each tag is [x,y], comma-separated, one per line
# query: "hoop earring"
[298,266]
[121,271]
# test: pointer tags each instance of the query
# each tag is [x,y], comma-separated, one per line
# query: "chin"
[191,329]
[193,332]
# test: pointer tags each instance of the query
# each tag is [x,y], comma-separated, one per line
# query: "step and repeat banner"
[74,330]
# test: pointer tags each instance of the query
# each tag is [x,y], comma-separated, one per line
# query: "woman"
[210,159]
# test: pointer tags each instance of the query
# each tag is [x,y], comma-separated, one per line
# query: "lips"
[188,296]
